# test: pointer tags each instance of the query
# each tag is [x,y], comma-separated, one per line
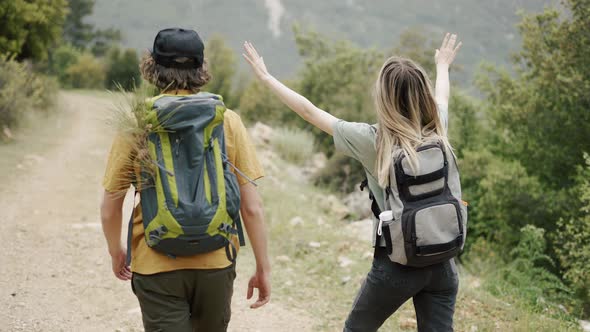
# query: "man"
[184,293]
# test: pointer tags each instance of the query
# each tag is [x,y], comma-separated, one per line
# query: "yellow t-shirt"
[145,260]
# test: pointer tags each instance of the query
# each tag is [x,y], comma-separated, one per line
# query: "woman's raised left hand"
[255,61]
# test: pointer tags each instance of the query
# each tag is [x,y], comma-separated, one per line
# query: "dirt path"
[55,270]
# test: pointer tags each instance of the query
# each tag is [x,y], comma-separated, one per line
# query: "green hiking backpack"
[191,204]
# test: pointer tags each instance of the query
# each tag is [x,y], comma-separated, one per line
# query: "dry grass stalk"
[134,120]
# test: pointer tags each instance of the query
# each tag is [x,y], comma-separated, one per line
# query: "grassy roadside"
[36,136]
[38,133]
[319,263]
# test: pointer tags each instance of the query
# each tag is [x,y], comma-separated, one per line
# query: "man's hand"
[445,55]
[120,270]
[260,280]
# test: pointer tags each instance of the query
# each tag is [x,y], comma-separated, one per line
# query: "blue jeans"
[389,285]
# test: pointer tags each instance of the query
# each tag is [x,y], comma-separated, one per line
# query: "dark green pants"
[185,300]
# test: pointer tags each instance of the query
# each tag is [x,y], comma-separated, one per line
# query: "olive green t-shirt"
[359,141]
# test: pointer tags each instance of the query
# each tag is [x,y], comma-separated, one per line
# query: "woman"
[408,115]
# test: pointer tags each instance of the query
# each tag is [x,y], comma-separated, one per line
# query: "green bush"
[60,60]
[223,68]
[342,174]
[503,198]
[527,275]
[87,73]
[29,28]
[294,145]
[13,98]
[467,130]
[573,242]
[337,76]
[122,69]
[42,91]
[258,104]
[22,91]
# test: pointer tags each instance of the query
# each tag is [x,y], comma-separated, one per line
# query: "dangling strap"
[374,206]
[130,232]
[231,252]
[238,223]
[388,243]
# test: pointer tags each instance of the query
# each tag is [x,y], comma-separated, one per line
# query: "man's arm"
[111,216]
[253,217]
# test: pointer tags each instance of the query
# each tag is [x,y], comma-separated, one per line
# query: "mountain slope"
[487,27]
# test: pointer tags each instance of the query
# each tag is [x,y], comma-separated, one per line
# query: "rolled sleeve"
[240,149]
[119,171]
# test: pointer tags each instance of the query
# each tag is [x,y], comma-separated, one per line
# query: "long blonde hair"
[407,113]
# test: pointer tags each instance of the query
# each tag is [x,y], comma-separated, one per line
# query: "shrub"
[87,73]
[122,69]
[294,145]
[342,174]
[42,91]
[573,242]
[503,198]
[13,99]
[60,60]
[258,104]
[223,68]
[528,274]
[21,91]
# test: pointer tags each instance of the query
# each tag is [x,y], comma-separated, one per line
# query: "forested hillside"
[487,27]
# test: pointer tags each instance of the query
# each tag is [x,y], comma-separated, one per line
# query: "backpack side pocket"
[394,241]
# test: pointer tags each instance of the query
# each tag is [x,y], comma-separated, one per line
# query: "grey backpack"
[425,220]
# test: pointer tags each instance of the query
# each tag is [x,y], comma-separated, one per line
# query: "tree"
[122,69]
[573,240]
[104,40]
[61,59]
[223,67]
[76,31]
[414,44]
[467,130]
[338,77]
[84,35]
[541,114]
[28,28]
[87,73]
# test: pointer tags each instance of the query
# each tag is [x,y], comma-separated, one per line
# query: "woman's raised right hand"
[255,61]
[447,51]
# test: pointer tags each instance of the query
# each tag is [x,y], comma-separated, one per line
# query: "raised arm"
[443,58]
[299,104]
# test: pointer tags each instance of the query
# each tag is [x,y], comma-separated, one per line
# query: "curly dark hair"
[173,78]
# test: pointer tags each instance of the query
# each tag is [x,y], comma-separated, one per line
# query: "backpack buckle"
[156,235]
[227,228]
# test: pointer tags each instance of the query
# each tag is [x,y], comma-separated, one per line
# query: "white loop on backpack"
[379,230]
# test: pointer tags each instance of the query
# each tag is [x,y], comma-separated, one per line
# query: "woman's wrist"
[266,78]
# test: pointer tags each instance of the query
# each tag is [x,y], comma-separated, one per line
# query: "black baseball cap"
[178,48]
